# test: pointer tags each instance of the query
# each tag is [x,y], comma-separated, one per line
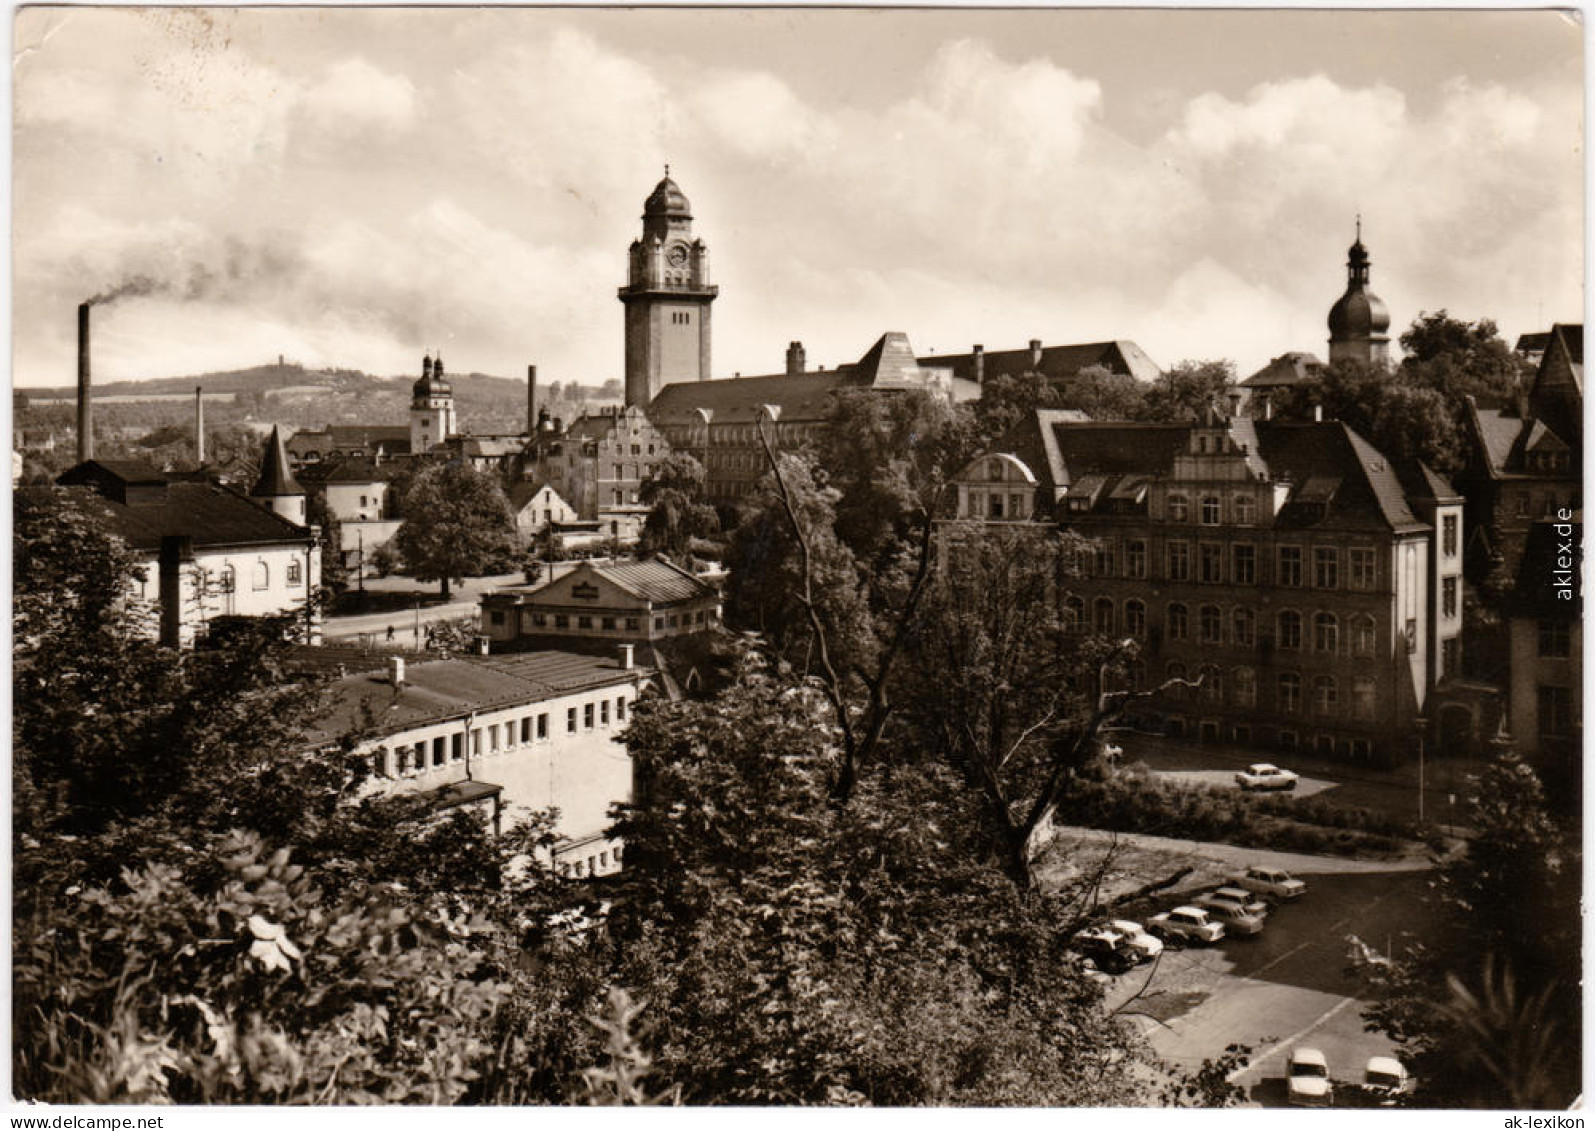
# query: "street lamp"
[1423,727]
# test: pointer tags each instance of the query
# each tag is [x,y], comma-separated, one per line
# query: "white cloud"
[355,96]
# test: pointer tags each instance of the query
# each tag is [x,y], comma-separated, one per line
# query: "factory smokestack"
[199,426]
[85,408]
[531,400]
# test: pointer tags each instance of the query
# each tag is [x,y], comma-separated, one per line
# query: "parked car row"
[1308,1082]
[1118,944]
[1238,907]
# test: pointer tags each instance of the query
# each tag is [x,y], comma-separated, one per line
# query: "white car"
[1274,882]
[1386,1078]
[1190,923]
[1308,1079]
[1265,775]
[1146,945]
[1238,898]
[1236,921]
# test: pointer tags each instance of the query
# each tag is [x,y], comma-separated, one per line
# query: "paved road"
[1286,987]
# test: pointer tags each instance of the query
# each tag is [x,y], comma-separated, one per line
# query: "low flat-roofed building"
[624,601]
[506,733]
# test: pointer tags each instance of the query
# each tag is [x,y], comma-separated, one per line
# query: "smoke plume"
[135,286]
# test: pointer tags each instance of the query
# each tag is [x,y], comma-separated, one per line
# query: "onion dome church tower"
[431,408]
[1357,323]
[667,297]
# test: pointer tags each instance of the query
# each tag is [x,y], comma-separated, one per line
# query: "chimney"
[626,652]
[531,400]
[396,671]
[979,354]
[794,359]
[1035,354]
[176,549]
[85,408]
[1318,414]
[199,426]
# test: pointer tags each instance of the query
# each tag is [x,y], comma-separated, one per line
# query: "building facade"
[1545,633]
[668,299]
[636,602]
[1313,588]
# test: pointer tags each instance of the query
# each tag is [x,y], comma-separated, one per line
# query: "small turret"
[277,490]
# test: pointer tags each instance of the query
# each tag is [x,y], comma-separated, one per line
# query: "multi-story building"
[1545,633]
[1312,585]
[668,298]
[538,509]
[640,602]
[517,733]
[1526,463]
[598,466]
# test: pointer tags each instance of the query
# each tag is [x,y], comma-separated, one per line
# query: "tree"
[457,522]
[1009,399]
[1187,390]
[1488,1015]
[334,573]
[1458,359]
[1104,395]
[678,516]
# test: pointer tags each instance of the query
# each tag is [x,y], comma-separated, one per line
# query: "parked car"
[1234,897]
[1308,1079]
[1236,920]
[1146,945]
[1273,882]
[1106,949]
[1193,924]
[1386,1078]
[1265,775]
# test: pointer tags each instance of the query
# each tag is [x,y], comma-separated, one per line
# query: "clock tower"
[667,298]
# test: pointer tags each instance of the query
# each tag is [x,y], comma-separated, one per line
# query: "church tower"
[276,489]
[431,408]
[1357,323]
[667,298]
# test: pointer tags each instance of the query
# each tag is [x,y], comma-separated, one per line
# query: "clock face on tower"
[676,256]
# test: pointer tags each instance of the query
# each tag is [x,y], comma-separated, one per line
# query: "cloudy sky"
[355,186]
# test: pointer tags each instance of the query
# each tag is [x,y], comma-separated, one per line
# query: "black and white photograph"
[796,557]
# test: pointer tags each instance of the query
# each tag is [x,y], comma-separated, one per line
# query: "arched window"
[1326,632]
[1243,627]
[1290,629]
[1326,696]
[262,576]
[229,578]
[1179,508]
[1245,687]
[1073,614]
[1103,620]
[1178,621]
[1362,636]
[1135,618]
[1289,693]
[1212,684]
[1211,620]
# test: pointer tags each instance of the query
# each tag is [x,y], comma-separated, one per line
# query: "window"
[439,751]
[1244,563]
[1073,614]
[539,619]
[262,578]
[608,624]
[1135,558]
[996,506]
[1289,634]
[603,712]
[1245,680]
[1177,620]
[584,622]
[1555,638]
[1211,622]
[496,617]
[659,624]
[1135,618]
[526,729]
[1448,596]
[1326,633]
[1326,696]
[1555,711]
[476,743]
[542,725]
[1243,627]
[1448,535]
[1450,654]
[1210,559]
[1245,510]
[1326,567]
[561,620]
[1362,569]
[296,573]
[1179,561]
[456,747]
[620,708]
[632,624]
[1212,684]
[1363,699]
[1179,508]
[1102,620]
[1106,565]
[570,720]
[1290,566]
[1523,505]
[1362,636]
[1289,693]
[492,738]
[1210,510]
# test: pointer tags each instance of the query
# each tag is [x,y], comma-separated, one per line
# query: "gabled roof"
[655,580]
[523,492]
[210,515]
[1285,371]
[1370,489]
[1119,356]
[890,361]
[351,469]
[1542,439]
[741,400]
[134,473]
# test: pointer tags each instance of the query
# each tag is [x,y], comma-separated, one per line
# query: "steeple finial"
[667,168]
[1359,227]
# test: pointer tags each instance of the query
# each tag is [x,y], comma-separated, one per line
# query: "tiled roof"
[351,469]
[436,690]
[1119,356]
[275,477]
[1118,449]
[890,361]
[131,471]
[1370,488]
[525,490]
[655,580]
[210,515]
[1497,434]
[1420,481]
[1286,370]
[741,400]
